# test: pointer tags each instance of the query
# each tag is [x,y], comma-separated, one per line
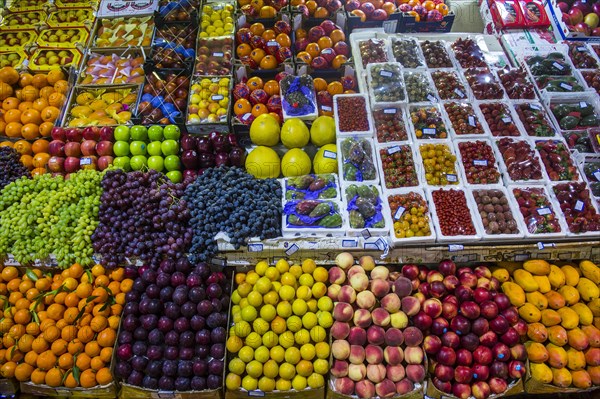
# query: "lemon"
[307,351]
[292,355]
[276,286]
[283,385]
[234,344]
[246,354]
[302,337]
[272,273]
[252,277]
[286,339]
[325,319]
[325,304]
[242,329]
[261,268]
[244,289]
[263,163]
[325,160]
[266,384]
[284,309]
[316,381]
[277,353]
[268,312]
[255,299]
[262,354]
[318,334]
[265,130]
[270,369]
[294,323]
[286,293]
[287,371]
[322,131]
[299,307]
[254,369]
[237,366]
[308,266]
[270,339]
[321,366]
[233,382]
[253,340]
[295,162]
[319,290]
[243,304]
[288,279]
[271,298]
[249,314]
[309,320]
[249,383]
[260,326]
[294,133]
[322,349]
[282,266]
[263,285]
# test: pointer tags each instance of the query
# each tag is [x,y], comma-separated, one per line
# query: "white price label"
[384,73]
[582,49]
[327,51]
[579,205]
[292,250]
[255,247]
[544,211]
[399,212]
[218,54]
[429,131]
[455,247]
[256,393]
[326,108]
[246,117]
[217,97]
[480,162]
[85,161]
[507,119]
[431,98]
[459,93]
[394,149]
[583,104]
[451,177]
[390,111]
[349,243]
[566,86]
[535,106]
[596,175]
[330,154]
[558,66]
[472,121]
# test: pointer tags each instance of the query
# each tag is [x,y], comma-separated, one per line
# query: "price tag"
[216,97]
[255,247]
[507,119]
[541,245]
[381,244]
[429,131]
[384,73]
[582,49]
[218,262]
[62,392]
[85,161]
[431,98]
[455,247]
[558,66]
[272,43]
[565,86]
[451,177]
[596,175]
[330,154]
[394,149]
[583,104]
[390,111]
[480,162]
[246,117]
[579,205]
[349,243]
[544,211]
[292,250]
[472,121]
[371,246]
[399,212]
[326,108]
[218,54]
[217,7]
[256,393]
[365,233]
[535,106]
[327,51]
[459,93]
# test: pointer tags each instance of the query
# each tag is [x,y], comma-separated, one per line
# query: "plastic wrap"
[439,164]
[581,56]
[364,206]
[579,140]
[214,108]
[484,84]
[449,85]
[594,134]
[468,53]
[521,162]
[455,217]
[23,20]
[591,170]
[385,83]
[534,13]
[548,64]
[534,119]
[592,79]
[17,39]
[408,53]
[576,205]
[499,119]
[463,119]
[436,55]
[358,163]
[507,14]
[311,187]
[209,27]
[516,83]
[418,87]
[312,214]
[298,98]
[372,51]
[107,69]
[124,32]
[411,216]
[496,213]
[397,166]
[537,211]
[352,114]
[174,46]
[579,115]
[217,56]
[390,124]
[557,161]
[559,84]
[478,162]
[427,122]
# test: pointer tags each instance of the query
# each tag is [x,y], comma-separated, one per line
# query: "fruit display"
[557,160]
[23,20]
[312,187]
[63,326]
[411,216]
[373,11]
[580,17]
[124,32]
[449,85]
[326,89]
[534,119]
[433,11]
[553,64]
[483,84]
[298,97]
[385,83]
[516,83]
[453,213]
[53,215]
[174,46]
[357,162]
[472,331]
[312,214]
[199,153]
[208,100]
[495,212]
[499,119]
[418,87]
[427,122]
[463,119]
[214,56]
[559,84]
[46,60]
[71,18]
[279,340]
[398,166]
[317,10]
[537,211]
[254,97]
[407,52]
[439,164]
[364,206]
[12,58]
[216,20]
[372,51]
[590,172]
[265,9]
[27,5]
[478,162]
[9,40]
[110,68]
[581,56]
[351,114]
[174,328]
[178,10]
[323,46]
[164,98]
[12,166]
[436,55]
[559,304]
[576,205]
[389,125]
[101,107]
[58,38]
[264,47]
[579,115]
[468,53]
[592,79]
[375,351]
[520,161]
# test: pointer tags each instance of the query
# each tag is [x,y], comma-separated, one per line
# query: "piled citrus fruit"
[33,155]
[59,330]
[279,340]
[31,104]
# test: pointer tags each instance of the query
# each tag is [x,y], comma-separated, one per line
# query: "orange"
[23,371]
[32,294]
[9,75]
[257,29]
[31,358]
[39,104]
[51,334]
[389,8]
[443,9]
[257,55]
[313,49]
[107,337]
[13,129]
[62,86]
[334,88]
[106,354]
[25,343]
[6,91]
[22,316]
[98,270]
[43,284]
[4,143]
[69,333]
[45,92]
[259,109]
[96,363]
[9,273]
[98,323]
[54,377]
[50,114]
[320,84]
[59,347]
[46,360]
[8,369]
[23,147]
[92,349]
[71,300]
[70,284]
[101,310]
[325,42]
[17,331]
[22,303]
[102,281]
[101,295]
[269,34]
[54,76]
[85,320]
[312,6]
[117,274]
[57,99]
[25,79]
[41,160]
[271,87]
[338,61]
[8,341]
[38,376]
[31,116]
[83,303]
[75,270]
[83,361]
[46,129]
[46,323]
[71,315]
[70,381]
[267,12]
[284,40]
[114,287]
[27,160]
[30,93]
[65,361]
[301,33]
[255,83]
[113,321]
[268,62]
[10,103]
[39,81]
[56,311]
[15,295]
[32,328]
[103,376]
[75,347]
[85,334]
[12,115]
[40,145]
[25,284]
[87,379]
[126,285]
[83,290]
[62,323]
[241,107]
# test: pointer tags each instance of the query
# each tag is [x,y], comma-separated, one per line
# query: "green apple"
[172,163]
[137,148]
[139,132]
[121,148]
[175,176]
[172,132]
[156,162]
[138,162]
[122,133]
[122,163]
[154,148]
[155,133]
[170,147]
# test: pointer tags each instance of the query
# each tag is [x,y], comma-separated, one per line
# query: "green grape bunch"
[51,216]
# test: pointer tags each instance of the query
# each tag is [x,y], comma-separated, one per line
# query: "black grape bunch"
[11,167]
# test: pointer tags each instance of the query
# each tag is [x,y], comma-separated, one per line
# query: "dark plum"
[201,351]
[214,381]
[149,276]
[130,308]
[188,309]
[200,367]
[203,270]
[139,362]
[170,368]
[132,296]
[171,353]
[163,279]
[172,338]
[186,339]
[217,351]
[177,279]
[182,324]
[214,291]
[172,310]
[205,307]
[165,324]
[193,280]
[139,348]
[215,320]
[166,294]
[156,337]
[140,334]
[123,370]
[167,266]
[166,383]
[197,294]
[197,322]
[135,378]
[198,383]
[155,352]
[130,323]
[180,296]
[154,368]
[186,353]
[125,337]
[153,291]
[218,335]
[149,321]
[203,337]
[182,384]
[150,382]
[185,368]
[217,304]
[215,366]
[183,265]
[125,352]
[139,285]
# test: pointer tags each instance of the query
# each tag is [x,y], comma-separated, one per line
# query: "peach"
[365,389]
[404,386]
[394,337]
[415,372]
[357,336]
[434,275]
[432,307]
[356,269]
[410,305]
[357,372]
[376,335]
[391,303]
[381,272]
[413,336]
[344,385]
[399,320]
[336,275]
[359,282]
[480,390]
[340,330]
[380,287]
[365,300]
[367,262]
[380,317]
[395,372]
[339,368]
[413,355]
[357,354]
[344,260]
[393,355]
[362,318]
[340,349]
[343,311]
[385,388]
[373,354]
[347,294]
[333,291]
[376,372]
[403,287]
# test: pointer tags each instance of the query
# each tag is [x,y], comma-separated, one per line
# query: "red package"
[534,13]
[507,14]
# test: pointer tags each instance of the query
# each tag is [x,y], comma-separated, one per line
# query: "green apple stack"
[278,341]
[138,148]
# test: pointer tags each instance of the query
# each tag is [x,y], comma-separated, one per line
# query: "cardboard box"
[514,388]
[535,386]
[133,392]
[390,25]
[408,23]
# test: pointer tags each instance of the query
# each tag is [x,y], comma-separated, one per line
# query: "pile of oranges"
[34,155]
[31,104]
[256,97]
[59,330]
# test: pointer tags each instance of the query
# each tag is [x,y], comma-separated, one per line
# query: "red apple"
[56,164]
[104,148]
[88,148]
[104,162]
[72,149]
[71,164]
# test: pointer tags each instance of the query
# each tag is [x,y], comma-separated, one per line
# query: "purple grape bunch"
[174,328]
[142,215]
[11,167]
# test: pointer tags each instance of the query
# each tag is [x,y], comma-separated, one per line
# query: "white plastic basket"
[478,163]
[392,72]
[513,210]
[392,148]
[367,232]
[572,161]
[421,168]
[342,160]
[395,216]
[477,118]
[339,132]
[299,231]
[508,180]
[581,202]
[457,239]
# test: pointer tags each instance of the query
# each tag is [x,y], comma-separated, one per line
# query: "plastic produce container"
[454,215]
